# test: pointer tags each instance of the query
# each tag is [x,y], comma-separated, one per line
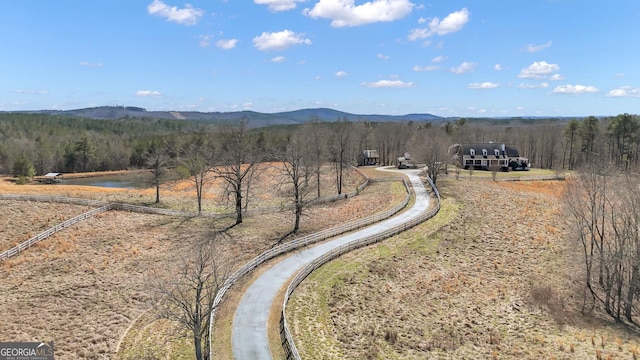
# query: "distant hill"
[256,119]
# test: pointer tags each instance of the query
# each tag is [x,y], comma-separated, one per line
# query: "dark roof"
[510,150]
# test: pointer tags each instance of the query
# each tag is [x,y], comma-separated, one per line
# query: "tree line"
[603,205]
[69,144]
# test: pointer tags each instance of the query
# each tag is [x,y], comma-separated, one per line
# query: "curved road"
[249,337]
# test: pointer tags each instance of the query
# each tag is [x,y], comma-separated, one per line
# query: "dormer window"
[472,152]
[484,152]
[496,152]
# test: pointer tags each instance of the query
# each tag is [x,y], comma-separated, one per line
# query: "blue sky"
[448,58]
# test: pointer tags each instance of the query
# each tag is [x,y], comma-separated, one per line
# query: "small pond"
[126,181]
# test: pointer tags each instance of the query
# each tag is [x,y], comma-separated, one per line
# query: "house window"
[478,162]
[496,152]
[469,162]
[472,152]
[484,152]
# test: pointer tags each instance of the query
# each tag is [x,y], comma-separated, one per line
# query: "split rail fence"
[48,233]
[103,206]
[299,243]
[288,344]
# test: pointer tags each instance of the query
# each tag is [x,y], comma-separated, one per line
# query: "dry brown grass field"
[492,276]
[86,286]
[18,223]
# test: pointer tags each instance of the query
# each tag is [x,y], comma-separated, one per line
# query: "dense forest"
[50,143]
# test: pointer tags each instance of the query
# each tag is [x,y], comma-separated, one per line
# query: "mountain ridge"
[256,119]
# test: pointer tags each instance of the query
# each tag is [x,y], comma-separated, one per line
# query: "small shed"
[369,157]
[52,178]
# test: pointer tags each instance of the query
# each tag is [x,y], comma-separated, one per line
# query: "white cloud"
[484,85]
[452,23]
[383,56]
[497,67]
[624,91]
[150,93]
[226,44]
[465,67]
[341,73]
[278,5]
[278,59]
[32,92]
[90,64]
[535,48]
[556,77]
[185,16]
[619,75]
[388,84]
[574,89]
[346,13]
[438,59]
[538,70]
[279,40]
[426,68]
[543,85]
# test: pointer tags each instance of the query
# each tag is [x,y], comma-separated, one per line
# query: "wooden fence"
[533,178]
[288,344]
[298,243]
[54,199]
[106,206]
[34,240]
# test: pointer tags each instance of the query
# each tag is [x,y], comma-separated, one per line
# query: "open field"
[18,223]
[490,276]
[85,286]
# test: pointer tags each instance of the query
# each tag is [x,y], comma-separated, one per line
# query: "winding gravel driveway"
[249,337]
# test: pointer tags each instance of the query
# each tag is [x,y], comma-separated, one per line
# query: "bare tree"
[236,163]
[315,134]
[605,207]
[339,143]
[392,138]
[430,146]
[188,297]
[196,154]
[292,169]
